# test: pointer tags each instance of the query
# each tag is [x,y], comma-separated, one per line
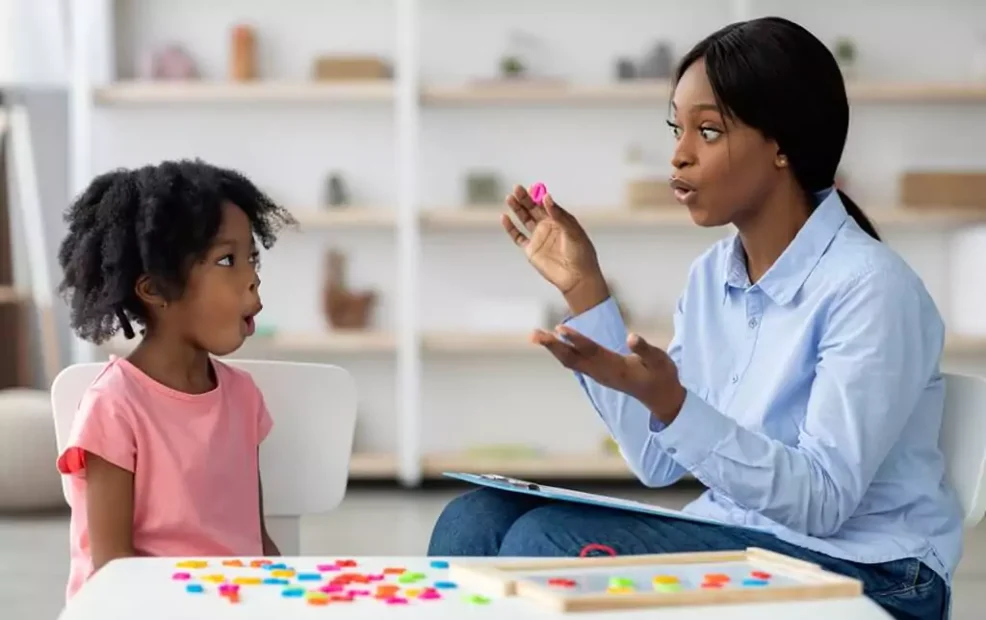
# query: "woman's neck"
[173,362]
[766,234]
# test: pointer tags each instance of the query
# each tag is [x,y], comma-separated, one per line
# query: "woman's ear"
[148,293]
[780,159]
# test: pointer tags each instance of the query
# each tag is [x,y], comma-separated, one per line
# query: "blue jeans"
[488,522]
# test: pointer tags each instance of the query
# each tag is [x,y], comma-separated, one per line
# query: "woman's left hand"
[648,373]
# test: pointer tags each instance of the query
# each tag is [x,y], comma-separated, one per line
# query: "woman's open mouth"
[684,192]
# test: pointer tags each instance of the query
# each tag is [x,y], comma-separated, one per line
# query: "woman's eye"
[226,261]
[709,134]
[255,260]
[675,129]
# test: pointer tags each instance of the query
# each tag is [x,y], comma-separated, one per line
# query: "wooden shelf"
[579,466]
[192,92]
[369,466]
[916,92]
[11,295]
[329,218]
[643,91]
[336,341]
[663,216]
[478,342]
[965,345]
[297,342]
[659,92]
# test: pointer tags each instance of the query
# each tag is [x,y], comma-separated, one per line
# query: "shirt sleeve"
[626,418]
[103,425]
[878,352]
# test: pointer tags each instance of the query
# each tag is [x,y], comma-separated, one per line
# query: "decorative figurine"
[170,62]
[625,69]
[336,194]
[344,309]
[482,188]
[658,64]
[243,54]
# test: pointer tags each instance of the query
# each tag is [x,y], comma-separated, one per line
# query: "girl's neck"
[173,362]
[766,234]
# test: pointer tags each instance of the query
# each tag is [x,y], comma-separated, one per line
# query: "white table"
[143,589]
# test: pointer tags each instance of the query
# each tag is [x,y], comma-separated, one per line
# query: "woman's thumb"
[641,347]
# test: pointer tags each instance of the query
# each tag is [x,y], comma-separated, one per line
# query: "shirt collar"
[788,273]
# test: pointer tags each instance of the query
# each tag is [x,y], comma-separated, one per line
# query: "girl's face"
[722,168]
[221,298]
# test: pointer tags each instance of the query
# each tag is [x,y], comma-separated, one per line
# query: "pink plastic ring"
[596,547]
[538,192]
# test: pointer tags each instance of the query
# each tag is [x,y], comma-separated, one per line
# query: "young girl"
[802,385]
[163,442]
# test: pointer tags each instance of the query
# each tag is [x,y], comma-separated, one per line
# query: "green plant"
[511,66]
[845,50]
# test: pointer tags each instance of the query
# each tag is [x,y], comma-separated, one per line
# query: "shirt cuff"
[602,324]
[695,434]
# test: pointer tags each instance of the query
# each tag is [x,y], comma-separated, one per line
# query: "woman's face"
[721,168]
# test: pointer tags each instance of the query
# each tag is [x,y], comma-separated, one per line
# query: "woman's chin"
[704,218]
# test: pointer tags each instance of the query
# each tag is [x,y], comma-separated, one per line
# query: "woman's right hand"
[559,248]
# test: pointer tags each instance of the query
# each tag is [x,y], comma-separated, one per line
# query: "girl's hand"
[648,373]
[558,248]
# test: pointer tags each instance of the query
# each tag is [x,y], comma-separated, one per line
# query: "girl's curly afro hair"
[155,220]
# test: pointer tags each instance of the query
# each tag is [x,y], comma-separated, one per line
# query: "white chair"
[305,459]
[963,442]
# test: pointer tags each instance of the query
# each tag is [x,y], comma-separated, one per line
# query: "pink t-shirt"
[194,459]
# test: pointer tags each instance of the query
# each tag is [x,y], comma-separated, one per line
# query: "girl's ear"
[148,293]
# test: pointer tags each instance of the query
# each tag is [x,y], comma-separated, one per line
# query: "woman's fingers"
[508,225]
[562,351]
[524,198]
[560,215]
[585,346]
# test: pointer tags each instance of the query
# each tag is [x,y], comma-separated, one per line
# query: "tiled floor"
[33,549]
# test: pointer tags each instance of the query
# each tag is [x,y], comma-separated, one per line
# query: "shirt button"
[672,450]
[753,322]
[734,378]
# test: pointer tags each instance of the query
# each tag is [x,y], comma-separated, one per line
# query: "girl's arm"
[628,421]
[109,510]
[270,547]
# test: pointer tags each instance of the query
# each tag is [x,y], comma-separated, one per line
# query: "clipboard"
[515,485]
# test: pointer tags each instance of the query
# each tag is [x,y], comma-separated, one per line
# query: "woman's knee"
[475,522]
[556,530]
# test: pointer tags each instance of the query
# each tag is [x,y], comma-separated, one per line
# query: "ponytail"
[857,214]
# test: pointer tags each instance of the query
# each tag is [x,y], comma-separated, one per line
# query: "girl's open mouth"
[251,325]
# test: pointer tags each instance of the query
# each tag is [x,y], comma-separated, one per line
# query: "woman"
[802,386]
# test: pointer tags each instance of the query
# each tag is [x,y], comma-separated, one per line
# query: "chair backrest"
[305,459]
[963,442]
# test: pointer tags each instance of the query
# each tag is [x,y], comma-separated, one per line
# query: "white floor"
[34,558]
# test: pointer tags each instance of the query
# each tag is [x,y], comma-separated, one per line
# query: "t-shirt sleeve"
[264,421]
[102,426]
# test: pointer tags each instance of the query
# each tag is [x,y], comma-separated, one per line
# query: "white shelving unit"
[417,222]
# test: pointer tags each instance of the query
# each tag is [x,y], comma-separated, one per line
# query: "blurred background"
[392,129]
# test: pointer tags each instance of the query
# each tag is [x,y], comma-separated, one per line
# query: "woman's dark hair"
[775,76]
[156,221]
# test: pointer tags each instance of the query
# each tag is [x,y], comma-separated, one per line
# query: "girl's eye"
[226,261]
[675,129]
[709,134]
[255,259]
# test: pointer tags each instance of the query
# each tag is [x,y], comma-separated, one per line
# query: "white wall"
[289,149]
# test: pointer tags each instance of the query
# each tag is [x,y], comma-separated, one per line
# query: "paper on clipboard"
[515,485]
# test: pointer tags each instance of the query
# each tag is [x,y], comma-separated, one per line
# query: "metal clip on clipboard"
[523,484]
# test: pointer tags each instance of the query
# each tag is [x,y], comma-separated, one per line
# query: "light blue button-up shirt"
[814,397]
